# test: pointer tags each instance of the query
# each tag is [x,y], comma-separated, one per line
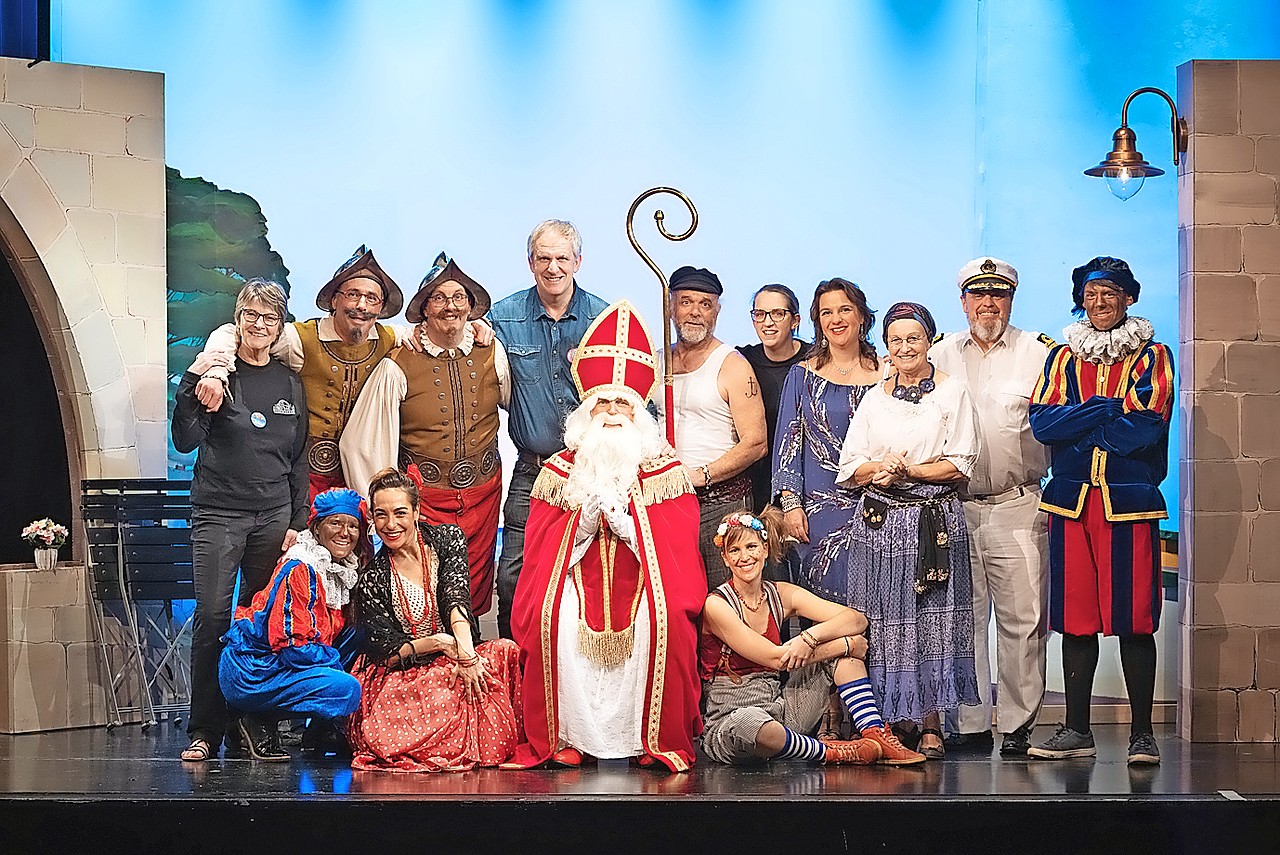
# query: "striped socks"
[861,704]
[800,747]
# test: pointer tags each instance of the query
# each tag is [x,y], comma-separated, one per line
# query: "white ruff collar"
[431,348]
[1107,346]
[338,578]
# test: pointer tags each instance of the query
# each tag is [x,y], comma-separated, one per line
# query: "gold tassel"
[607,648]
[666,485]
[549,487]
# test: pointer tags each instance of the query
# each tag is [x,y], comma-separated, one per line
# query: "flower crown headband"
[746,521]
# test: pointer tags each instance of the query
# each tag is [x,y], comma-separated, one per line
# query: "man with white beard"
[1008,534]
[606,608]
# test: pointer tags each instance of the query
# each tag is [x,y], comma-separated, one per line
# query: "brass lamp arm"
[1177,124]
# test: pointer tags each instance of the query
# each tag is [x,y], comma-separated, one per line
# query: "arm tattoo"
[752,389]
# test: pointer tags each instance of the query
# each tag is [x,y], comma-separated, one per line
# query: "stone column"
[1229,377]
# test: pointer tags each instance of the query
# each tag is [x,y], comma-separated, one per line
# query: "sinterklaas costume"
[609,641]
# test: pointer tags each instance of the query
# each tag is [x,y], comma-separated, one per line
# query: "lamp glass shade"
[1125,182]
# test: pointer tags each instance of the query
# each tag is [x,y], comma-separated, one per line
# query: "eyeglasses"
[458,299]
[252,317]
[913,340]
[356,298]
[778,315]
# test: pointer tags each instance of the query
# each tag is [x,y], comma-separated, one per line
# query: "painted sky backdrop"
[887,142]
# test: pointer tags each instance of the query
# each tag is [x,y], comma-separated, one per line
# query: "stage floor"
[129,762]
[126,786]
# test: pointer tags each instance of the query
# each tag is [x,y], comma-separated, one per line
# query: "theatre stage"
[123,790]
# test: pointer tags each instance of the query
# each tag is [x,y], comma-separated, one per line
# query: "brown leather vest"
[334,372]
[449,417]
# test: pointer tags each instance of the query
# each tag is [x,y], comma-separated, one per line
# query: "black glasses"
[251,317]
[778,315]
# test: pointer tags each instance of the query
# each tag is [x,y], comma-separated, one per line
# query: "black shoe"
[971,743]
[232,741]
[262,739]
[1015,744]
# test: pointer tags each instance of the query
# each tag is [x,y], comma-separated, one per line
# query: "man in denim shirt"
[539,327]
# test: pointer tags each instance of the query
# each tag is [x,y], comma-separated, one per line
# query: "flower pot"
[46,559]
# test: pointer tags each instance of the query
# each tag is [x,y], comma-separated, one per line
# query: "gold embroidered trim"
[607,647]
[653,724]
[548,611]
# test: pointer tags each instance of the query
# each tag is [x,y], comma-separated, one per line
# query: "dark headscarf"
[909,311]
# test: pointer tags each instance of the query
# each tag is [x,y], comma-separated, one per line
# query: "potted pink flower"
[45,536]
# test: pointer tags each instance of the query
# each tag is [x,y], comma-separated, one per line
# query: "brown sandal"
[932,752]
[198,751]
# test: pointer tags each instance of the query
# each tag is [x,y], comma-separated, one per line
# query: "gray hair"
[264,291]
[563,228]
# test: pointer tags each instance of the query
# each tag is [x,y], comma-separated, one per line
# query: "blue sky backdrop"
[887,142]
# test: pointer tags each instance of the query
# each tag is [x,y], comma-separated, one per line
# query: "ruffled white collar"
[1107,346]
[337,577]
[433,349]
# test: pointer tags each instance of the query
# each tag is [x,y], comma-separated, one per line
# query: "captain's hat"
[987,274]
[616,356]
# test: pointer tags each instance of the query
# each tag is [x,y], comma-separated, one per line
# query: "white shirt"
[704,422]
[943,426]
[371,438]
[1000,381]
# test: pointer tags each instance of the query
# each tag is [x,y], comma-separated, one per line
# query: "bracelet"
[848,651]
[467,663]
[809,639]
[790,502]
[706,474]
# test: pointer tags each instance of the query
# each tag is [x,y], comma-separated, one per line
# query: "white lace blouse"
[943,426]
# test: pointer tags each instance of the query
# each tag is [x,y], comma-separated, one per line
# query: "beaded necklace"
[423,625]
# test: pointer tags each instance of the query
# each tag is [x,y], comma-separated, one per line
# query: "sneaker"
[1017,743]
[1064,744]
[893,752]
[1143,750]
[858,752]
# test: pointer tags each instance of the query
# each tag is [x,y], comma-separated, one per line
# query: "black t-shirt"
[252,450]
[771,375]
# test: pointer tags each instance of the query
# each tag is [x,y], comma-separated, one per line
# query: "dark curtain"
[33,446]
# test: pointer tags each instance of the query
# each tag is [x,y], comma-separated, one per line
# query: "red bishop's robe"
[670,570]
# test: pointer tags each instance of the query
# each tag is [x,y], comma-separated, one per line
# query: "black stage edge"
[122,791]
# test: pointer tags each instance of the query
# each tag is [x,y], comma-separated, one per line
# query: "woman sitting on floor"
[280,659]
[750,714]
[433,700]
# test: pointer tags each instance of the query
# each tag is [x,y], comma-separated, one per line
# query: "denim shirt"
[542,390]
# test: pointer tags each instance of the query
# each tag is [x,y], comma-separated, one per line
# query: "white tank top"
[704,425]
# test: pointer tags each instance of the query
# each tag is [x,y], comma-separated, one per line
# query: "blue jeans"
[515,515]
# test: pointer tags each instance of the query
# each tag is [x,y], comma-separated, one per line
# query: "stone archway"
[82,226]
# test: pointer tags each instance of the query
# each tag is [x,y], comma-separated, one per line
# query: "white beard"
[988,332]
[691,334]
[606,462]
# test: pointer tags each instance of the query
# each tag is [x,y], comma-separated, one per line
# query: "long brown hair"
[821,347]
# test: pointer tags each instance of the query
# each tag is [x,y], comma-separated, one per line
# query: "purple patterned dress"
[813,417]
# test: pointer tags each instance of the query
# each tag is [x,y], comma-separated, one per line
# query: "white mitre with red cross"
[616,356]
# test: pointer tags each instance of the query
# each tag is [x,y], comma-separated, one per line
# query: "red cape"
[665,511]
